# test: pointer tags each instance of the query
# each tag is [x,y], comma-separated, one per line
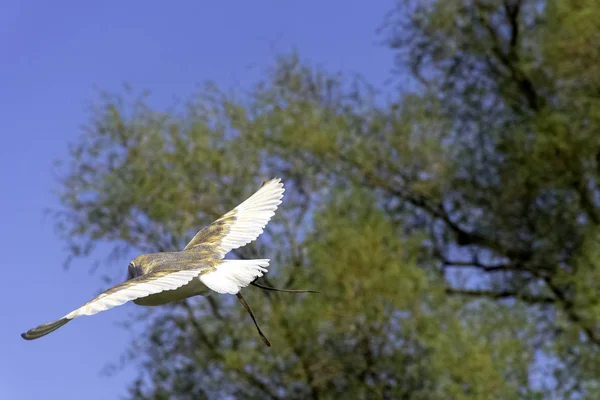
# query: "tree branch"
[512,12]
[567,307]
[483,267]
[509,60]
[498,295]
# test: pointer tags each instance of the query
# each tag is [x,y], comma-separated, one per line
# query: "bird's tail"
[229,276]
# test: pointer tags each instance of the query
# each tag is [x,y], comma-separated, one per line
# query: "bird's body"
[194,288]
[200,261]
[160,278]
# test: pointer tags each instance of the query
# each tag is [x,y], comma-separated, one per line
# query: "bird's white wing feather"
[132,289]
[229,276]
[244,223]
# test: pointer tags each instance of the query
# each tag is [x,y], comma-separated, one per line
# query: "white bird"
[160,278]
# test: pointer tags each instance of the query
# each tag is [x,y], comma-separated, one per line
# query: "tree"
[517,81]
[452,231]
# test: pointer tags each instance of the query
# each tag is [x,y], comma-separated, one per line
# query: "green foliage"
[453,231]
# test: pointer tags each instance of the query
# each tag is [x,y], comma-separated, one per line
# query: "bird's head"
[130,271]
[135,268]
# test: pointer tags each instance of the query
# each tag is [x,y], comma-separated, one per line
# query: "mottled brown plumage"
[209,238]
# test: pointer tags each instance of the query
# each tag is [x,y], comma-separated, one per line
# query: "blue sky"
[54,57]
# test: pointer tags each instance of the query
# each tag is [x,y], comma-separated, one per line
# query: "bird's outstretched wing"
[132,289]
[244,223]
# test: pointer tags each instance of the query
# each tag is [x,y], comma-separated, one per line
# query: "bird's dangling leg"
[253,283]
[247,307]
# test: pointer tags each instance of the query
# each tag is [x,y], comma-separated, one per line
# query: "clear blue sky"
[53,56]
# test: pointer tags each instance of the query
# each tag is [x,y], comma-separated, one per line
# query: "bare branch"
[497,295]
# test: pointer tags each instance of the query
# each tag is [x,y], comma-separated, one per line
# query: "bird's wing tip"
[44,329]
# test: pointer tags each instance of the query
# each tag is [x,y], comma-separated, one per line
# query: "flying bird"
[160,278]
